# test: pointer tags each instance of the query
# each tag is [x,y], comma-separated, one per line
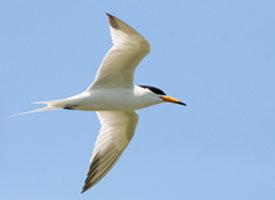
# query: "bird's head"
[162,95]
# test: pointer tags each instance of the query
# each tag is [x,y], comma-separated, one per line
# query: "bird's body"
[114,97]
[118,99]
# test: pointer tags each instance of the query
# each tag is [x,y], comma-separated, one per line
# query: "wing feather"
[117,129]
[119,64]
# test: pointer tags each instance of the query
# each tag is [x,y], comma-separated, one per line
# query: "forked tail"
[50,105]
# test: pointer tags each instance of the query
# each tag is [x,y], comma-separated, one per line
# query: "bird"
[114,97]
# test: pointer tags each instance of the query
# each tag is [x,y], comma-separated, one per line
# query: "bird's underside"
[116,71]
[117,129]
[115,98]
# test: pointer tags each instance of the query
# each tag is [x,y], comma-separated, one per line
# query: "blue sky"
[216,55]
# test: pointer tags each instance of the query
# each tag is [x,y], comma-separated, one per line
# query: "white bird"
[115,98]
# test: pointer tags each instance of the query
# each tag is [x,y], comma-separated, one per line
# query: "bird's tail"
[49,105]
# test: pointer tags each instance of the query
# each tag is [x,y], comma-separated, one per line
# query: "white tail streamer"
[48,107]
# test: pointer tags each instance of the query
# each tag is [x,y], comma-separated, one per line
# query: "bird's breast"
[115,99]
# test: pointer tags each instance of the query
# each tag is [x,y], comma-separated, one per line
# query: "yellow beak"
[172,100]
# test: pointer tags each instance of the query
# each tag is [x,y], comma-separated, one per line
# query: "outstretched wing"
[118,67]
[117,129]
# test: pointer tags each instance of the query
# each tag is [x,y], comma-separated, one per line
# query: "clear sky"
[216,55]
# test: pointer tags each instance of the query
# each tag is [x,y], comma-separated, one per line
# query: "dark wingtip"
[84,188]
[109,15]
[112,21]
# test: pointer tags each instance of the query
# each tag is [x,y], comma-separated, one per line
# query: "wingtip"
[108,14]
[84,189]
[113,21]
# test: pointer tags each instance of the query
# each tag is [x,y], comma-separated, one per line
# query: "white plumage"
[114,97]
[117,129]
[118,67]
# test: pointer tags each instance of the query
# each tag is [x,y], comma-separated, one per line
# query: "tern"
[114,97]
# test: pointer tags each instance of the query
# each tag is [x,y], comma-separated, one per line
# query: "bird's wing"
[118,67]
[117,129]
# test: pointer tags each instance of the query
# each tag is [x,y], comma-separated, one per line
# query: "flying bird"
[114,97]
